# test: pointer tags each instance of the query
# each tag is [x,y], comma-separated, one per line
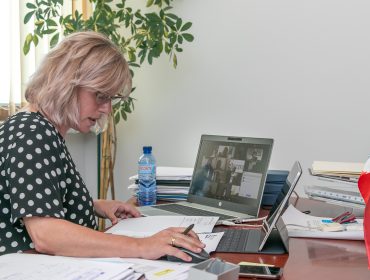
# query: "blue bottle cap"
[147,149]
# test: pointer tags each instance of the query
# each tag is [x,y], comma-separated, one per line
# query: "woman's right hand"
[165,243]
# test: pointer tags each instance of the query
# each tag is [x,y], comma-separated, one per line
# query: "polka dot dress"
[38,178]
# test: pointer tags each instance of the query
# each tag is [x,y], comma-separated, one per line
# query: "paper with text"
[299,224]
[211,240]
[44,267]
[146,226]
[160,270]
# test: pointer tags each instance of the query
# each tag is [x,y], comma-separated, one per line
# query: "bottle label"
[146,169]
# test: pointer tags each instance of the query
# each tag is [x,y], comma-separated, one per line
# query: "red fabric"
[364,187]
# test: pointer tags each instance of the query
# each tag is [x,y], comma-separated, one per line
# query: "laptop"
[270,238]
[228,179]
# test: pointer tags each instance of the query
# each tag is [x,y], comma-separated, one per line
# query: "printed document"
[146,226]
[44,267]
[299,224]
[160,270]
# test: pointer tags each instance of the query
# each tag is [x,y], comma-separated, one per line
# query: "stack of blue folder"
[274,183]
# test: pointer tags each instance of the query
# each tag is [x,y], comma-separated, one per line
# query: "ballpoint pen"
[189,228]
[346,217]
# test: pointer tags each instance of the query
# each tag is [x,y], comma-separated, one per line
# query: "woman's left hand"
[114,209]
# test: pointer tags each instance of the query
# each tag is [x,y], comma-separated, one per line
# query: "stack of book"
[336,183]
[275,180]
[172,183]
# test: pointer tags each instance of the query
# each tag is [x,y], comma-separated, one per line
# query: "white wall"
[83,149]
[293,70]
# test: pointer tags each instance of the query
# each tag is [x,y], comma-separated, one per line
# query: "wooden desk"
[314,258]
[318,259]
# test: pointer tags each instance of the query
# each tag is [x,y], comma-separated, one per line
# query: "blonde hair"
[82,60]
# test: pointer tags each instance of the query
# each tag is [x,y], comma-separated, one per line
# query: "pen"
[189,228]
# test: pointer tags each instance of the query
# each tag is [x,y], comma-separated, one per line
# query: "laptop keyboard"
[190,211]
[236,240]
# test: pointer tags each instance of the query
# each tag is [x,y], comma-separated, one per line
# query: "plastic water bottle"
[147,194]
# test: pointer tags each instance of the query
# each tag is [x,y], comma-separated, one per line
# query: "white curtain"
[15,67]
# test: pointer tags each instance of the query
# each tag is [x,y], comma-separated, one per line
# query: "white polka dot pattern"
[38,178]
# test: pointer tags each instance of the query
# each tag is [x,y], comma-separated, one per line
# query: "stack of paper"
[299,224]
[45,267]
[335,182]
[337,169]
[172,183]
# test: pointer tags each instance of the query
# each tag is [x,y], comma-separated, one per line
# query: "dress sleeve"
[34,172]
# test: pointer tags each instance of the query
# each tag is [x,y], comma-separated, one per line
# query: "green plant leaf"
[51,22]
[188,37]
[179,39]
[173,16]
[127,107]
[30,6]
[134,64]
[178,23]
[174,60]
[131,56]
[35,40]
[167,48]
[116,117]
[28,16]
[123,114]
[27,43]
[186,26]
[54,40]
[49,31]
[153,18]
[149,3]
[39,22]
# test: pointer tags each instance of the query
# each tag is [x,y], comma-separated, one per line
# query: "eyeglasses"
[102,98]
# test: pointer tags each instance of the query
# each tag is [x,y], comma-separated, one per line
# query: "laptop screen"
[230,172]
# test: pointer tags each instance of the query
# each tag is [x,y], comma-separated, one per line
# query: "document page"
[146,226]
[299,224]
[44,267]
[211,240]
[160,270]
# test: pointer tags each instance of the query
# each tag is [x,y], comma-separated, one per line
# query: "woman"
[44,202]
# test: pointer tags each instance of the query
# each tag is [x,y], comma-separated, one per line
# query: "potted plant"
[146,36]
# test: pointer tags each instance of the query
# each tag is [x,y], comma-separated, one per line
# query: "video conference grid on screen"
[229,171]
